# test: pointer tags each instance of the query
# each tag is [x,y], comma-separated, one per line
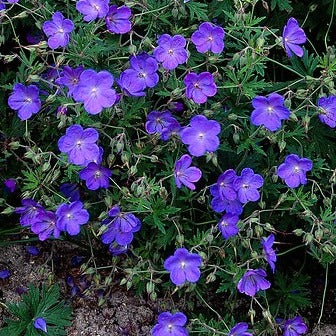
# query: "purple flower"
[4,274]
[247,184]
[327,110]
[240,329]
[40,324]
[121,227]
[200,87]
[225,185]
[71,191]
[172,129]
[158,121]
[183,266]
[58,30]
[25,100]
[29,211]
[144,69]
[71,216]
[208,37]
[79,144]
[93,9]
[95,90]
[61,110]
[176,106]
[171,51]
[268,251]
[220,204]
[3,2]
[95,176]
[117,20]
[184,174]
[295,327]
[10,185]
[117,249]
[45,225]
[253,281]
[201,135]
[170,325]
[130,85]
[70,78]
[34,37]
[228,225]
[32,250]
[292,37]
[269,111]
[294,170]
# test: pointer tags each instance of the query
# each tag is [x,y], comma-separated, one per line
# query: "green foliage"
[36,303]
[253,63]
[290,293]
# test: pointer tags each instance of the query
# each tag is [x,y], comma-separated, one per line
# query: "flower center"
[28,100]
[201,136]
[270,109]
[94,91]
[196,85]
[141,75]
[69,216]
[171,52]
[97,173]
[96,7]
[74,81]
[296,169]
[286,39]
[245,186]
[78,143]
[61,30]
[183,264]
[170,327]
[224,223]
[210,38]
[178,173]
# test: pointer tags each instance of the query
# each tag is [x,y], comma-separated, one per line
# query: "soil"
[123,314]
[324,330]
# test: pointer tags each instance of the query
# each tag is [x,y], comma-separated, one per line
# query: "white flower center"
[97,173]
[183,264]
[245,186]
[170,51]
[78,143]
[296,169]
[69,216]
[201,136]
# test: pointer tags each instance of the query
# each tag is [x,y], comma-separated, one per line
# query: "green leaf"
[198,10]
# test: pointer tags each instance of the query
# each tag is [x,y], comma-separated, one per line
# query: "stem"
[330,23]
[324,290]
[290,250]
[285,66]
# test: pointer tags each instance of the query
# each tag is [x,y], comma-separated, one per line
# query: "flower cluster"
[120,230]
[96,91]
[67,218]
[230,193]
